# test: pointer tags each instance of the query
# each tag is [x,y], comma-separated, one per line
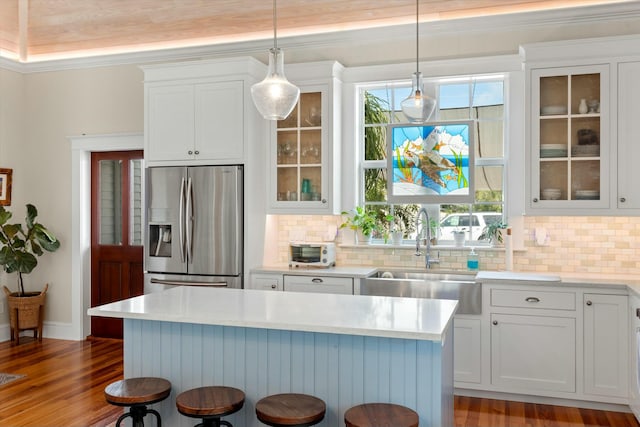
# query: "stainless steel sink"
[424,284]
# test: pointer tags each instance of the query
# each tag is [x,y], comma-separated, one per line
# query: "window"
[479,98]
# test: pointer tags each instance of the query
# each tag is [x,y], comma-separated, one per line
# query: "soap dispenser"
[472,260]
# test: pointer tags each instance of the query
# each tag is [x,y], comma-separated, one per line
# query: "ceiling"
[37,30]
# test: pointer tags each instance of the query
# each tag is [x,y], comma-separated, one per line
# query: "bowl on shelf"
[553,110]
[587,195]
[587,137]
[551,194]
[585,150]
[553,150]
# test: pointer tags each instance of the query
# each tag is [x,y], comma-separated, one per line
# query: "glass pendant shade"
[418,107]
[275,96]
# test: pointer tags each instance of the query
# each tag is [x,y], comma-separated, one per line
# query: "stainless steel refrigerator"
[193,227]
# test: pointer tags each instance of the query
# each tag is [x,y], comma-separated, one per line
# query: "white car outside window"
[463,222]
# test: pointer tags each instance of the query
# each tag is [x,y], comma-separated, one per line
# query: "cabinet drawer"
[549,300]
[318,284]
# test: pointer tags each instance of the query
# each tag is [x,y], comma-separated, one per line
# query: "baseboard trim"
[615,407]
[56,330]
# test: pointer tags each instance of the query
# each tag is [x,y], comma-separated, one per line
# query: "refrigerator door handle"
[189,219]
[189,283]
[181,219]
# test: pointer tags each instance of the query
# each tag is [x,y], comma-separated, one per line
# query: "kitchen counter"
[344,349]
[422,319]
[341,271]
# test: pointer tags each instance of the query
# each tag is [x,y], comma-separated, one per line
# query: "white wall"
[39,110]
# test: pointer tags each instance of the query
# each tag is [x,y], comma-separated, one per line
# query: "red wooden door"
[116,233]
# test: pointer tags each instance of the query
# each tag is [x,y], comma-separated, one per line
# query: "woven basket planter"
[26,312]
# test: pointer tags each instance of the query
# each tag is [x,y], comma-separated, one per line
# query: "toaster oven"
[312,254]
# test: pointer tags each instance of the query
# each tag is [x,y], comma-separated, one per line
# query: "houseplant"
[19,247]
[493,232]
[359,220]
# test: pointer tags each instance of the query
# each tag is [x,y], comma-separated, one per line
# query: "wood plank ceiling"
[32,30]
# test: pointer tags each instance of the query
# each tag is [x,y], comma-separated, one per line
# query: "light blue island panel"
[343,370]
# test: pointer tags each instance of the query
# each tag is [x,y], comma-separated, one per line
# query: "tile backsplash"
[551,244]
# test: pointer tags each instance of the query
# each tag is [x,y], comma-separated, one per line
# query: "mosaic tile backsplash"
[563,244]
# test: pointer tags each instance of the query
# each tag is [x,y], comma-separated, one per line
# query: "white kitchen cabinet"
[569,139]
[467,366]
[533,353]
[267,282]
[197,112]
[605,345]
[318,284]
[634,354]
[305,147]
[628,135]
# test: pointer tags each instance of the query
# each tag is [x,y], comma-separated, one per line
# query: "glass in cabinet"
[569,139]
[299,154]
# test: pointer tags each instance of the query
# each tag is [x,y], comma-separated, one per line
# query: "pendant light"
[418,106]
[275,96]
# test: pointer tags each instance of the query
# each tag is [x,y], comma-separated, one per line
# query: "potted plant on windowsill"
[493,232]
[360,221]
[19,247]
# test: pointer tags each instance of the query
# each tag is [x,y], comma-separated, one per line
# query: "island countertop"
[412,318]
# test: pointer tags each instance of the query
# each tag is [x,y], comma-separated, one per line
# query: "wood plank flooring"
[65,381]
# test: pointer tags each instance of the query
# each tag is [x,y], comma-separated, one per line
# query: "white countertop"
[339,271]
[410,318]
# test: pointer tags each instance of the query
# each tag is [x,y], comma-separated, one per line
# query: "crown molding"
[516,21]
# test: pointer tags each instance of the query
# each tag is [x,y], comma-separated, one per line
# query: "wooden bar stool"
[380,415]
[210,404]
[138,393]
[280,410]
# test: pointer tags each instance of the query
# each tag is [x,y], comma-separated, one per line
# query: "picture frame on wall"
[5,186]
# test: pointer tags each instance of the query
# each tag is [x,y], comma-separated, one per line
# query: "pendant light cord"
[417,38]
[275,31]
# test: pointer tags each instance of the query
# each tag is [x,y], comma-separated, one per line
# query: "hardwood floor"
[65,381]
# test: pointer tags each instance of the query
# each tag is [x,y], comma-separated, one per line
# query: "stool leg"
[137,414]
[154,412]
[122,417]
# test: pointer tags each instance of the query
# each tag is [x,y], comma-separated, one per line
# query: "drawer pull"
[589,302]
[638,313]
[316,280]
[532,299]
[495,322]
[274,286]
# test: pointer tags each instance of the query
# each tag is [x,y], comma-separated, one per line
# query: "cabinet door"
[170,123]
[628,135]
[605,345]
[219,124]
[266,282]
[530,353]
[318,284]
[467,350]
[569,139]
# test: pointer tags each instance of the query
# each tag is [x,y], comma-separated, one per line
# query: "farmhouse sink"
[425,284]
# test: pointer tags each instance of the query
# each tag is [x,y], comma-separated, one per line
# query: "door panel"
[116,250]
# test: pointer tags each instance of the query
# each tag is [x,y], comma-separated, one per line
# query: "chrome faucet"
[427,256]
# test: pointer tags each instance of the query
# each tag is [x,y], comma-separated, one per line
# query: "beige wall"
[58,105]
[38,111]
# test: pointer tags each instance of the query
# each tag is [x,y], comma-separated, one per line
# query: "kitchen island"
[344,349]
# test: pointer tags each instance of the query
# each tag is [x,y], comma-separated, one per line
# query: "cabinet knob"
[589,302]
[623,199]
[495,322]
[324,200]
[197,152]
[189,152]
[274,286]
[535,200]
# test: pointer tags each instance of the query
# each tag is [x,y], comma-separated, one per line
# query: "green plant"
[360,219]
[20,246]
[491,231]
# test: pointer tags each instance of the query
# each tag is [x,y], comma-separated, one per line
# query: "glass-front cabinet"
[305,161]
[569,138]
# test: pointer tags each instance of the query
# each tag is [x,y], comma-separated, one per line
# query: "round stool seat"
[137,391]
[214,401]
[290,409]
[380,414]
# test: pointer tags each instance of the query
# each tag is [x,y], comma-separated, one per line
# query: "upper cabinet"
[305,147]
[583,98]
[195,112]
[570,138]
